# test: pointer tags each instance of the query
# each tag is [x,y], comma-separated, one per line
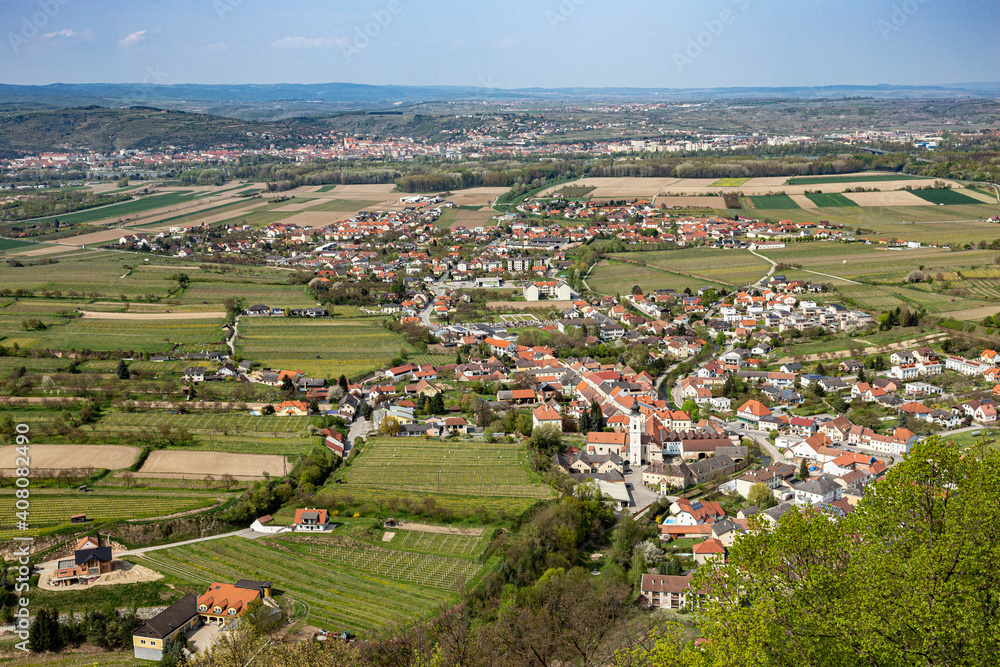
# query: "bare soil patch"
[895,198]
[67,457]
[476,196]
[692,202]
[447,530]
[122,572]
[174,464]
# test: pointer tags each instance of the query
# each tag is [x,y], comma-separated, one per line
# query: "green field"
[6,245]
[773,202]
[696,267]
[832,199]
[946,197]
[125,208]
[343,583]
[53,507]
[451,467]
[225,423]
[137,335]
[848,178]
[729,182]
[320,348]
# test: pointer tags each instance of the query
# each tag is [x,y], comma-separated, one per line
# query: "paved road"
[358,428]
[760,438]
[245,533]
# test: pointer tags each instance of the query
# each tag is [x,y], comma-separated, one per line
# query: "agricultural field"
[382,500]
[47,458]
[154,336]
[946,197]
[706,265]
[829,200]
[451,467]
[70,658]
[852,178]
[342,205]
[615,277]
[343,583]
[6,245]
[125,208]
[729,182]
[575,191]
[53,507]
[218,422]
[773,202]
[178,464]
[320,348]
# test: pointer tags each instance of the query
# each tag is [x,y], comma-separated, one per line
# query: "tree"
[804,470]
[761,496]
[122,370]
[342,381]
[584,422]
[692,409]
[314,407]
[267,410]
[389,426]
[596,416]
[43,633]
[908,578]
[524,424]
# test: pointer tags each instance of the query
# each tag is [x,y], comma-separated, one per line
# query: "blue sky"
[502,43]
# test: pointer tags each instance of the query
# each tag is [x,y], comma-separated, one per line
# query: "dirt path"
[206,315]
[446,530]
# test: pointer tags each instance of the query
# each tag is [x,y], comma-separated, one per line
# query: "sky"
[501,43]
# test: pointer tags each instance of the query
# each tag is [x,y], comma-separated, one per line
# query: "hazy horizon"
[520,44]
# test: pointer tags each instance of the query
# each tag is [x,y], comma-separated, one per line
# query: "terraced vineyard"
[144,336]
[437,543]
[333,583]
[429,466]
[320,348]
[217,422]
[54,507]
[384,500]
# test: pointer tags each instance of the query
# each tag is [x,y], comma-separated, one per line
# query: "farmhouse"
[310,520]
[90,560]
[178,618]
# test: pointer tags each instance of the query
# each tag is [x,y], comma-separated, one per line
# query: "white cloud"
[303,43]
[60,33]
[133,38]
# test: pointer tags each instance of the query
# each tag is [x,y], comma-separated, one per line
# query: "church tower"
[635,436]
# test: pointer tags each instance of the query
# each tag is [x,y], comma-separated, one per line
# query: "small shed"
[78,518]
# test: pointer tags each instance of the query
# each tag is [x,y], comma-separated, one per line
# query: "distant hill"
[325,97]
[109,130]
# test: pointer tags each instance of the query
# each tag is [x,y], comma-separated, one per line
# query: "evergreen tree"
[596,417]
[584,424]
[43,634]
[342,381]
[803,470]
[122,371]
